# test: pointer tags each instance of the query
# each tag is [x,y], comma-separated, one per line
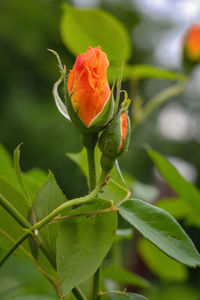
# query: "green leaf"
[116,189]
[19,173]
[125,296]
[33,180]
[161,229]
[160,264]
[124,234]
[144,191]
[6,170]
[33,297]
[176,207]
[124,276]
[5,158]
[180,185]
[80,28]
[143,71]
[7,223]
[83,243]
[48,198]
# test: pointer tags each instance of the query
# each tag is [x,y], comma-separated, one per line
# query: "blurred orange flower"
[192,43]
[87,84]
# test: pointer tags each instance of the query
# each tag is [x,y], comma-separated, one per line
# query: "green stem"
[89,142]
[78,293]
[91,167]
[14,212]
[24,223]
[160,98]
[97,284]
[37,226]
[90,146]
[31,229]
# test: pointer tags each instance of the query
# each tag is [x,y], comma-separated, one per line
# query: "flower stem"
[90,147]
[160,98]
[37,226]
[97,284]
[89,142]
[78,293]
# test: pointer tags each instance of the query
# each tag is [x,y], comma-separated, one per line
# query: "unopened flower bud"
[114,140]
[191,50]
[91,103]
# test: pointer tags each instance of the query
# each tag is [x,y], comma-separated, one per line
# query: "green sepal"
[110,140]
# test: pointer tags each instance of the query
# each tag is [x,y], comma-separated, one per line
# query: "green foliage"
[32,297]
[124,276]
[180,185]
[126,296]
[19,173]
[124,234]
[161,229]
[176,207]
[116,188]
[80,28]
[10,230]
[161,265]
[48,198]
[83,243]
[142,71]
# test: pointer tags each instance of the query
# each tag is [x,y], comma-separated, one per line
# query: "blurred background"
[28,113]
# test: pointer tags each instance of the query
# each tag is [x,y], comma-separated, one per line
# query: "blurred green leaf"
[142,71]
[160,264]
[124,234]
[124,276]
[7,223]
[33,179]
[19,276]
[116,188]
[176,207]
[173,292]
[125,296]
[48,198]
[33,297]
[161,229]
[83,243]
[19,173]
[81,28]
[5,158]
[179,184]
[144,191]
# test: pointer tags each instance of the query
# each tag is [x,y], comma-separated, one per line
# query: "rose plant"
[69,239]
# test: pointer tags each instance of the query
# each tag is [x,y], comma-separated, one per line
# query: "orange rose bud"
[89,90]
[124,126]
[114,140]
[191,50]
[192,43]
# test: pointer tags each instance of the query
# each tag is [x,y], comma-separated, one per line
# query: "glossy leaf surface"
[161,229]
[83,243]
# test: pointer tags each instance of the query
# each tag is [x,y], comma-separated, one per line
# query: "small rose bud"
[114,140]
[191,50]
[89,92]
